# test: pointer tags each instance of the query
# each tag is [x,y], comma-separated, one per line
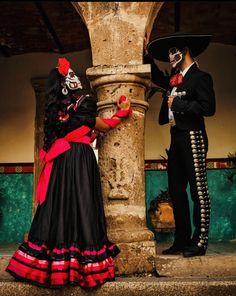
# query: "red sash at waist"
[60,146]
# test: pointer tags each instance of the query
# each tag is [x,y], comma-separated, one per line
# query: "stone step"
[132,286]
[4,259]
[210,275]
[206,266]
[219,261]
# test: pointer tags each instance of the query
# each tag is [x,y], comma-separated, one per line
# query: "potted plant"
[231,173]
[161,212]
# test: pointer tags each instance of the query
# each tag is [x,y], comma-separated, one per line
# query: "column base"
[135,257]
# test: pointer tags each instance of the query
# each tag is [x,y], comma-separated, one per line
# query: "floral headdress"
[63,66]
[70,80]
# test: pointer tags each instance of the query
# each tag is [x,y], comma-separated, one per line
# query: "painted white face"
[175,56]
[72,81]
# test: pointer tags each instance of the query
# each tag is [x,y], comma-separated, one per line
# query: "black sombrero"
[197,43]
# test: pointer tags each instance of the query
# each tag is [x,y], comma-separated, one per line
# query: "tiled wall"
[222,188]
[16,186]
[15,205]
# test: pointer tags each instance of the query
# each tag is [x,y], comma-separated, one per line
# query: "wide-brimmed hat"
[197,43]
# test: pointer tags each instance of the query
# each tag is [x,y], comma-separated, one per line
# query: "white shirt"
[171,115]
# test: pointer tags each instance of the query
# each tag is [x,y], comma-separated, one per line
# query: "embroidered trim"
[199,153]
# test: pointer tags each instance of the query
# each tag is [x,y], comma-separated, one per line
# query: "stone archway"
[117,31]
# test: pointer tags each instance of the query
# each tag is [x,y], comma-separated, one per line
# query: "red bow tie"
[176,79]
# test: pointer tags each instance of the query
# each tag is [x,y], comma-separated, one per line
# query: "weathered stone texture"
[214,265]
[132,286]
[121,162]
[117,29]
[136,257]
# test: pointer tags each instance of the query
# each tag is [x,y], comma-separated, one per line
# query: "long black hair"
[57,103]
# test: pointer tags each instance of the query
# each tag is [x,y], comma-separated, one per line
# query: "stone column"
[39,88]
[121,162]
[117,31]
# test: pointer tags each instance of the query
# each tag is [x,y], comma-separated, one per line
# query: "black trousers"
[187,165]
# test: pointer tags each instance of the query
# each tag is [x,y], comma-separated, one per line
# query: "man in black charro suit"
[189,97]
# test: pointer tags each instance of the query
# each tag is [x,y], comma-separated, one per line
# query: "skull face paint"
[72,81]
[175,56]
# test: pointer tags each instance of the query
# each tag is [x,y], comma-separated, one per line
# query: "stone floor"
[214,248]
[210,275]
[132,287]
[219,261]
[6,249]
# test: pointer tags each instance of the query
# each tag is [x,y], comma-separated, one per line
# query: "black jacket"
[189,110]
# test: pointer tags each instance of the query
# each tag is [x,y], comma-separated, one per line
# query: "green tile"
[222,191]
[15,205]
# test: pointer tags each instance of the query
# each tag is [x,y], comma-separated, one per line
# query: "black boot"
[194,251]
[175,249]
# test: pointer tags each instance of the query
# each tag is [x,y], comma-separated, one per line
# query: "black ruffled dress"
[67,242]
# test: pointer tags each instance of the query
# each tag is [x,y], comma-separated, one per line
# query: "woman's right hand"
[123,103]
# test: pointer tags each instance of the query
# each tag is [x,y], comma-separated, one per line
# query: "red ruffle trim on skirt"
[64,270]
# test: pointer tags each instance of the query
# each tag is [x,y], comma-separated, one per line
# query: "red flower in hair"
[63,66]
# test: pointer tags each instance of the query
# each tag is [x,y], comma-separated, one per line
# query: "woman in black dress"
[67,242]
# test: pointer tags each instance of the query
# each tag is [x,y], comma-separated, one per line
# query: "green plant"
[231,164]
[163,196]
